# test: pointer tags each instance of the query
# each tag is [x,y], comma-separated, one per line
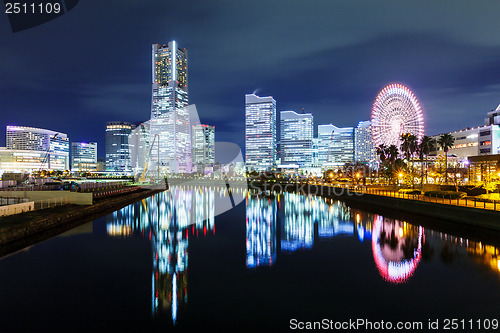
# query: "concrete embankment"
[469,216]
[19,231]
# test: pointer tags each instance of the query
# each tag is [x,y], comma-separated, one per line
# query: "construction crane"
[142,178]
[46,158]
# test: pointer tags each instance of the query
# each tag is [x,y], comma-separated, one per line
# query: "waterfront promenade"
[464,202]
[21,230]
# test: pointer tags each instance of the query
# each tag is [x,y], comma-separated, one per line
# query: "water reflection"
[278,225]
[298,217]
[168,220]
[297,223]
[397,246]
[260,231]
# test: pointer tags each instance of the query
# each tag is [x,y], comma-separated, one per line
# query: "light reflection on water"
[396,246]
[278,225]
[168,219]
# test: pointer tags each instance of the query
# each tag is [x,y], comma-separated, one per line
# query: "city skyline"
[451,70]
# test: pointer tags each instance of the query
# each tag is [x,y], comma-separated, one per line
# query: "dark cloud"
[329,57]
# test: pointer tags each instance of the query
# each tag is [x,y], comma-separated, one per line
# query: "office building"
[31,149]
[260,132]
[203,145]
[493,117]
[296,138]
[117,146]
[364,147]
[335,145]
[170,78]
[170,127]
[139,146]
[170,139]
[476,141]
[84,156]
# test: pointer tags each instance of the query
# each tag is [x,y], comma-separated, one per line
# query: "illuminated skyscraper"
[203,143]
[83,156]
[364,148]
[296,138]
[53,148]
[170,137]
[139,146]
[335,144]
[170,79]
[260,132]
[117,146]
[170,126]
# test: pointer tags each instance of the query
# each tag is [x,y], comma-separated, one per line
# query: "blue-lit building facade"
[170,78]
[203,145]
[170,124]
[139,146]
[364,146]
[83,156]
[335,145]
[297,131]
[32,149]
[170,140]
[117,146]
[260,132]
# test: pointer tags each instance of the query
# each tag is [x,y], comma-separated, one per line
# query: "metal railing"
[464,202]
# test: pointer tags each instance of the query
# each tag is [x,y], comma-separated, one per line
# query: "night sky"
[93,64]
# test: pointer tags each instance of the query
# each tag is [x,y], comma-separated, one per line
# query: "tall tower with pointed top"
[170,119]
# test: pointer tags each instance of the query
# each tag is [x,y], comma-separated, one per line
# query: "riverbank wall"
[19,231]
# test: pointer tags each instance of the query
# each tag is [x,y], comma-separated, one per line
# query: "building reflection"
[167,220]
[278,225]
[452,248]
[297,223]
[260,230]
[398,247]
[302,219]
[486,255]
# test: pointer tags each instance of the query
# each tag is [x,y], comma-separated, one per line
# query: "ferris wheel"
[395,111]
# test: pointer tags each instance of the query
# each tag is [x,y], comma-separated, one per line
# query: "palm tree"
[446,142]
[381,150]
[409,145]
[424,148]
[392,152]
